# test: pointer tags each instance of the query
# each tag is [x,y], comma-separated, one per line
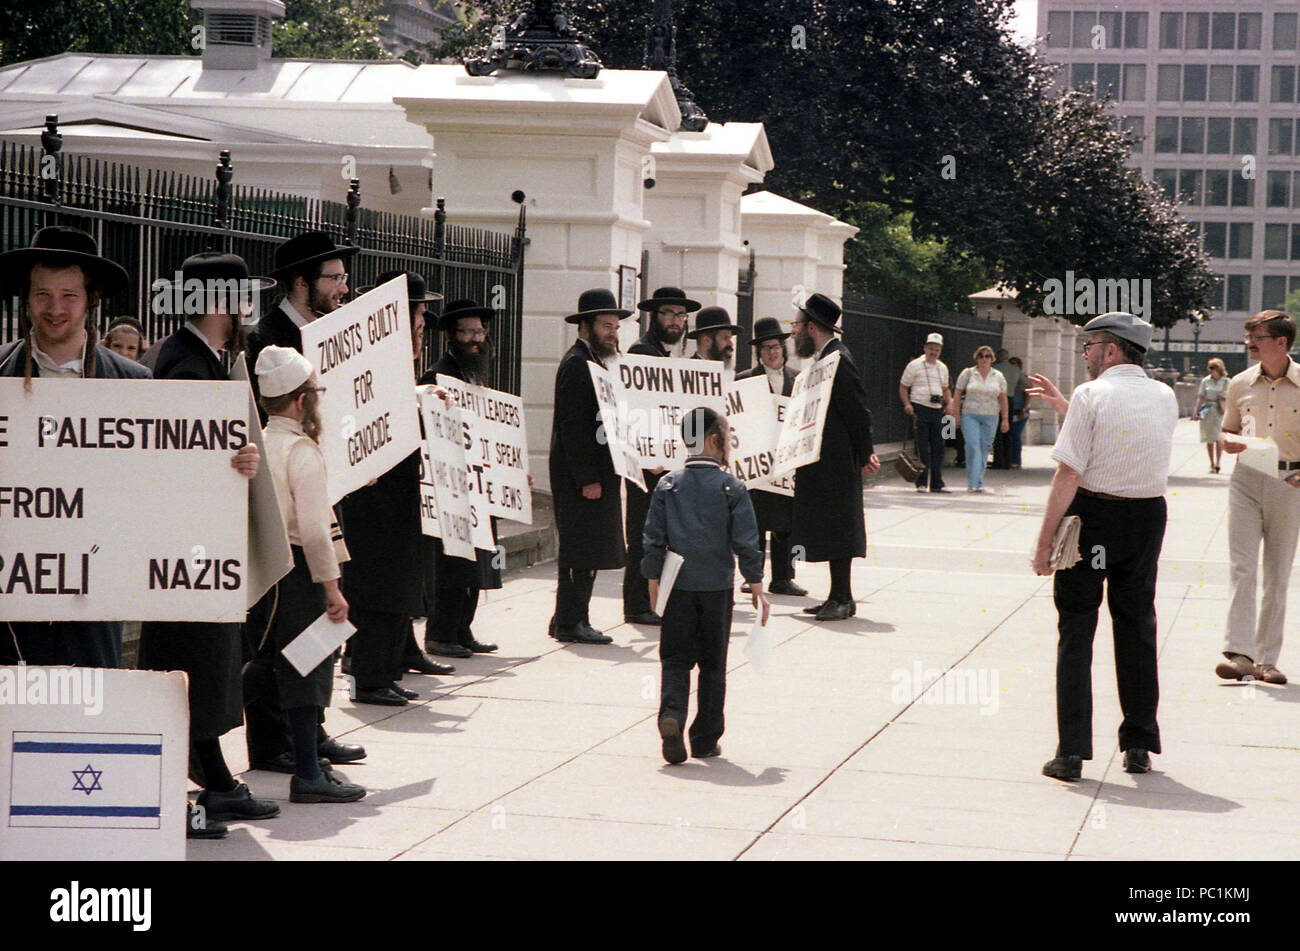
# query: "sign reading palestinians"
[462,512]
[801,433]
[613,428]
[497,447]
[72,450]
[754,415]
[653,395]
[362,356]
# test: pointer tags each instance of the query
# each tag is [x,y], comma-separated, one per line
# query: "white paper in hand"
[1261,454]
[759,646]
[672,565]
[317,642]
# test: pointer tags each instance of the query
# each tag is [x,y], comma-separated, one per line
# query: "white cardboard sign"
[754,415]
[654,393]
[497,455]
[801,433]
[627,463]
[462,513]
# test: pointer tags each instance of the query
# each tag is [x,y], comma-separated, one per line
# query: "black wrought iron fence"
[149,221]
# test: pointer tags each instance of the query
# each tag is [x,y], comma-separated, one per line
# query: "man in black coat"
[668,308]
[457,582]
[59,281]
[773,511]
[829,522]
[383,579]
[584,485]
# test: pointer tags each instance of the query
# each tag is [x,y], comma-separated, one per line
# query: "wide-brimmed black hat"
[598,300]
[713,318]
[822,310]
[665,296]
[416,290]
[220,266]
[767,328]
[60,246]
[463,308]
[308,248]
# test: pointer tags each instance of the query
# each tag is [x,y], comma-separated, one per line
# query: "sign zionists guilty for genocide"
[653,395]
[496,447]
[71,453]
[362,356]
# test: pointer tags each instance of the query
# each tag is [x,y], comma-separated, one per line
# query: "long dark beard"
[804,345]
[658,331]
[475,365]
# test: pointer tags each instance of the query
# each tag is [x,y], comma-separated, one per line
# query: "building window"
[1058,30]
[1216,292]
[1135,83]
[1169,83]
[1216,237]
[1134,126]
[1241,235]
[1275,237]
[1223,31]
[1193,83]
[1216,188]
[1248,84]
[1083,27]
[1284,31]
[1243,136]
[1295,190]
[1218,139]
[1112,25]
[1238,292]
[1274,291]
[1243,192]
[1280,132]
[1279,189]
[1171,30]
[1198,31]
[1283,86]
[1166,133]
[1220,84]
[1295,242]
[1083,75]
[1189,186]
[1193,137]
[1167,179]
[1250,28]
[1135,31]
[1108,80]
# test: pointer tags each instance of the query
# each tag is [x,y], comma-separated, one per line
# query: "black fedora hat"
[463,308]
[598,300]
[768,328]
[665,296]
[821,309]
[308,248]
[60,246]
[220,266]
[416,289]
[713,318]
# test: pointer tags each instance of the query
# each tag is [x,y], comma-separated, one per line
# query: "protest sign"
[755,420]
[801,432]
[654,393]
[269,555]
[428,496]
[362,356]
[92,763]
[497,450]
[462,516]
[613,427]
[76,459]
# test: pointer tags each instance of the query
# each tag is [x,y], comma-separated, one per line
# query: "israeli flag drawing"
[86,780]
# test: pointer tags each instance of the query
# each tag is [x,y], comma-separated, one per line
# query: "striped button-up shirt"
[1119,433]
[1271,406]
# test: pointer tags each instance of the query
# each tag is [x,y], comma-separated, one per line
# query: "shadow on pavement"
[719,772]
[1169,794]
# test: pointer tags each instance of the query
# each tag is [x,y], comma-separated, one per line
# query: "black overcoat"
[590,530]
[829,521]
[773,512]
[386,571]
[208,652]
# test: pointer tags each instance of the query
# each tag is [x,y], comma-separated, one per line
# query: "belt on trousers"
[1111,498]
[1288,466]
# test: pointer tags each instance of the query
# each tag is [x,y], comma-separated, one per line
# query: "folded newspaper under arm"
[1065,545]
[667,577]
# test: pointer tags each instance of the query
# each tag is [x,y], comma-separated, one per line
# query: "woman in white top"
[1210,397]
[979,398]
[290,397]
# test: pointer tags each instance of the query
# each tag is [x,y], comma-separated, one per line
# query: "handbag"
[908,464]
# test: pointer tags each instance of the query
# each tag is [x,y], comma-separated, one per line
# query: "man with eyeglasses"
[668,308]
[1112,470]
[925,393]
[1262,401]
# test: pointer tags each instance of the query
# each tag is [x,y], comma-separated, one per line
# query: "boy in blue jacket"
[703,513]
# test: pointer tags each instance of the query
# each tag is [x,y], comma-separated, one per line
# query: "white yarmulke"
[281,370]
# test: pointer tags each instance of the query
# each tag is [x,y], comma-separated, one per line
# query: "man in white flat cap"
[1113,465]
[925,394]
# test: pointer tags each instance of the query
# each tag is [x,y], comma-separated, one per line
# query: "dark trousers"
[378,646]
[1120,544]
[841,580]
[782,562]
[267,735]
[573,597]
[453,613]
[695,632]
[929,444]
[1017,435]
[636,590]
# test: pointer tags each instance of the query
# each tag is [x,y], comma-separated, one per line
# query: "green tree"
[49,27]
[330,29]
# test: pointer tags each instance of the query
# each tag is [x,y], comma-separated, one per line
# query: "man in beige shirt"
[1262,401]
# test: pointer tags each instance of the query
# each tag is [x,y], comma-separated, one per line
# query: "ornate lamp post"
[539,39]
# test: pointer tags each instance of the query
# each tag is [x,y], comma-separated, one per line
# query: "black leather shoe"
[381,696]
[817,607]
[1068,768]
[283,763]
[673,748]
[236,804]
[835,611]
[448,649]
[199,825]
[1137,761]
[423,665]
[327,788]
[582,635]
[337,752]
[478,647]
[403,692]
[787,587]
[715,751]
[645,617]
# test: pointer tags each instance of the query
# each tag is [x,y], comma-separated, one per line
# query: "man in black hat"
[584,485]
[457,582]
[383,580]
[829,522]
[59,281]
[773,511]
[714,337]
[669,308]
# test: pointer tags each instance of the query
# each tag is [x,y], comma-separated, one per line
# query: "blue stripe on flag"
[149,811]
[145,749]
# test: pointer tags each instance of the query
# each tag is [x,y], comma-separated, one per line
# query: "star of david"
[88,773]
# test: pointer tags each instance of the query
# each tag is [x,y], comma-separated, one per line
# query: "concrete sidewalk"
[550,751]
